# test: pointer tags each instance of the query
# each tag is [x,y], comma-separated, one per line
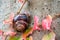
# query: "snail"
[21,21]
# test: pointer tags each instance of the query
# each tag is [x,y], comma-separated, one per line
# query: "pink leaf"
[3,37]
[1,32]
[10,33]
[36,23]
[9,21]
[46,23]
[11,16]
[7,33]
[21,1]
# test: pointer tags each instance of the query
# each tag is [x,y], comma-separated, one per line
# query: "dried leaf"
[50,36]
[15,38]
[29,38]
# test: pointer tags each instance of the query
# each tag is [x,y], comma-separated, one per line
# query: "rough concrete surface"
[41,8]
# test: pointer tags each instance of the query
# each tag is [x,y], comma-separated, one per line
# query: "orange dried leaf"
[31,38]
[27,33]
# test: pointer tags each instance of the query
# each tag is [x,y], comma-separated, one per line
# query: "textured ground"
[37,7]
